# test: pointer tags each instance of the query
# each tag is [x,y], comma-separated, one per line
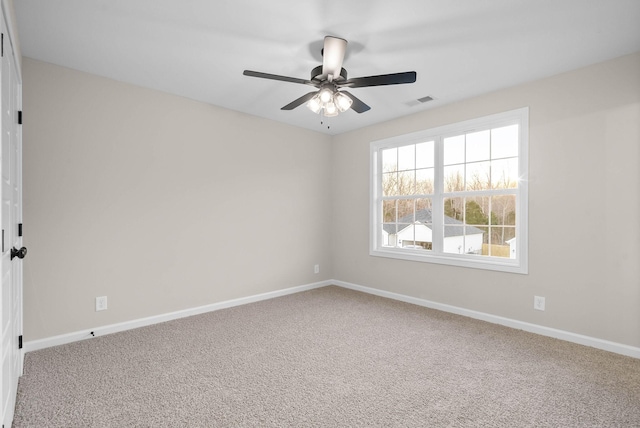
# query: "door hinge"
[19,117]
[20,342]
[19,229]
[2,44]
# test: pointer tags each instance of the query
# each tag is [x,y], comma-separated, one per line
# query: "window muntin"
[454,195]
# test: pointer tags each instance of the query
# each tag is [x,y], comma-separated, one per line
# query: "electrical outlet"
[316,269]
[538,303]
[101,303]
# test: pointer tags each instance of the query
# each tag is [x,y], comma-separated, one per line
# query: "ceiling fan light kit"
[329,103]
[330,77]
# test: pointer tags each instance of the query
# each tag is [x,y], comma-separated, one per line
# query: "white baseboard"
[593,342]
[48,342]
[606,345]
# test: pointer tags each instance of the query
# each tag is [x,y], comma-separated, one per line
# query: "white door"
[12,251]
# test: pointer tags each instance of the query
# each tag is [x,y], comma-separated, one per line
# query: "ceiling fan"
[329,78]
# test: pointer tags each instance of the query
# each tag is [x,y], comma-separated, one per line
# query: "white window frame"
[436,255]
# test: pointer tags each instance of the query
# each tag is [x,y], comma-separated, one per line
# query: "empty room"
[320,213]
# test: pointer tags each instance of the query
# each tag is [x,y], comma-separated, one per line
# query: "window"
[454,195]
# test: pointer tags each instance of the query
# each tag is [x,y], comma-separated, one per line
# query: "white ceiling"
[199,48]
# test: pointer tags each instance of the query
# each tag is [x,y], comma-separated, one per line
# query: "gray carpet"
[327,358]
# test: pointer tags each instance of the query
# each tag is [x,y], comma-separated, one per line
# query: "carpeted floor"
[327,358]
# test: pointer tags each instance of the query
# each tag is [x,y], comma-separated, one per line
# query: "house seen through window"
[454,195]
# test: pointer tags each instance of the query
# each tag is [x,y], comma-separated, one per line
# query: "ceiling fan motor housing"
[317,71]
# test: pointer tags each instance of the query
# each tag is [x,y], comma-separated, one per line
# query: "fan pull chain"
[326,119]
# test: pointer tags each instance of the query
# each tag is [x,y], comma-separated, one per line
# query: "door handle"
[21,253]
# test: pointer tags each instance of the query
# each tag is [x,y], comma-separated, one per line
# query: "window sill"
[465,261]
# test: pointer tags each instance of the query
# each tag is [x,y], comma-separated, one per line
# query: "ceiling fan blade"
[303,99]
[277,77]
[357,105]
[333,55]
[380,80]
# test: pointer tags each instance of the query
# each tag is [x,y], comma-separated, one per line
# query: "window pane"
[389,212]
[478,175]
[454,150]
[478,145]
[390,184]
[495,250]
[453,242]
[503,242]
[453,210]
[476,211]
[407,182]
[423,210]
[454,178]
[502,233]
[424,224]
[389,234]
[424,213]
[461,236]
[390,160]
[406,157]
[503,210]
[424,155]
[406,235]
[424,181]
[405,210]
[499,237]
[504,142]
[504,173]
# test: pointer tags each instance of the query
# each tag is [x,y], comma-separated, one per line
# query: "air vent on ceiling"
[425,99]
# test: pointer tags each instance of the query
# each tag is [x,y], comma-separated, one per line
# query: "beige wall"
[584,240]
[160,203]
